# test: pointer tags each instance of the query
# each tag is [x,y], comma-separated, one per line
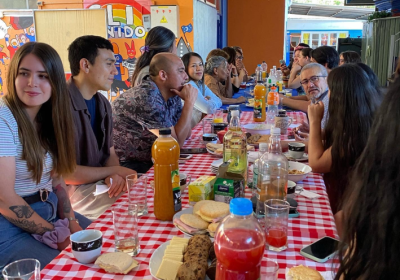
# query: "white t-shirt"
[10,146]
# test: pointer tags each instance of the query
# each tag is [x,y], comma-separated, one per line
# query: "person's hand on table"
[241,99]
[315,112]
[116,186]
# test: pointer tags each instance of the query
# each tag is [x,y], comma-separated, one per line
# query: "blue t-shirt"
[91,105]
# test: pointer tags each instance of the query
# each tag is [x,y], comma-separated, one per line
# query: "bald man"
[140,112]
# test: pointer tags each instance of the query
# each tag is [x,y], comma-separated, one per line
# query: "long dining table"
[315,221]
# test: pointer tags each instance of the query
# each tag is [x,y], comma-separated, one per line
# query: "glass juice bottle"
[235,146]
[167,192]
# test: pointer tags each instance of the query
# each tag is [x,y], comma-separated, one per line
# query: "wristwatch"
[73,219]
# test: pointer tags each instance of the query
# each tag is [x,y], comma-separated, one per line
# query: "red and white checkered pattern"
[315,221]
[196,141]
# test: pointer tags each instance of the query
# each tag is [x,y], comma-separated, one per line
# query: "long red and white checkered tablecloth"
[315,221]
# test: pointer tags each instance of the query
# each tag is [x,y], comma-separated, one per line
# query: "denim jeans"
[16,244]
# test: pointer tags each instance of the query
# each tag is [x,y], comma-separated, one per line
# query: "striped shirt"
[10,146]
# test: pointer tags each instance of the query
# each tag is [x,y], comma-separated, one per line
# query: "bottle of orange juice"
[259,100]
[167,192]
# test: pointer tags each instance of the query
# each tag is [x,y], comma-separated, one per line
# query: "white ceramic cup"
[86,245]
[296,150]
[283,123]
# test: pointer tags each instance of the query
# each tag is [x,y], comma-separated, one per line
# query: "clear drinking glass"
[126,228]
[137,191]
[25,269]
[276,224]
[269,270]
[218,116]
[207,125]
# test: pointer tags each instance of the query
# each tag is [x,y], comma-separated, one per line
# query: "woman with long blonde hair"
[36,151]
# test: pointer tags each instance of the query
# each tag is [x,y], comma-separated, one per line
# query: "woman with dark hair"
[326,56]
[237,76]
[352,104]
[36,151]
[349,57]
[159,39]
[207,102]
[373,79]
[239,62]
[302,58]
[217,71]
[371,220]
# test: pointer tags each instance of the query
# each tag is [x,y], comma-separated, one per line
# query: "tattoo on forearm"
[64,203]
[29,226]
[22,211]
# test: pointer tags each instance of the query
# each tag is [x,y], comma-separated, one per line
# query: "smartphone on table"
[185,156]
[321,250]
[194,151]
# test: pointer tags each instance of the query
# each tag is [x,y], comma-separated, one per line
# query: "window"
[327,38]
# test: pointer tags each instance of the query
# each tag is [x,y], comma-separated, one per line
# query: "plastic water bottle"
[272,77]
[239,243]
[279,79]
[258,70]
[272,173]
[264,66]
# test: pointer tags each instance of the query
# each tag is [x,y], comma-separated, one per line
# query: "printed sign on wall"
[14,32]
[127,25]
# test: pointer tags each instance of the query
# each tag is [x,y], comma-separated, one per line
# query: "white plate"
[156,259]
[186,211]
[304,158]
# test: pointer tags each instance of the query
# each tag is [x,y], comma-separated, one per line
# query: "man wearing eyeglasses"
[313,78]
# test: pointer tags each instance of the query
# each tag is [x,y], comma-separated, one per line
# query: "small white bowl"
[257,128]
[301,167]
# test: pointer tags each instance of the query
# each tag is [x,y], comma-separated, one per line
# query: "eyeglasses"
[313,80]
[240,57]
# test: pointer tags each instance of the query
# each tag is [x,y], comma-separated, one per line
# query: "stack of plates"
[215,164]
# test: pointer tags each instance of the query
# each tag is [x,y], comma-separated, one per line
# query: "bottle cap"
[165,131]
[263,146]
[276,131]
[235,113]
[241,206]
